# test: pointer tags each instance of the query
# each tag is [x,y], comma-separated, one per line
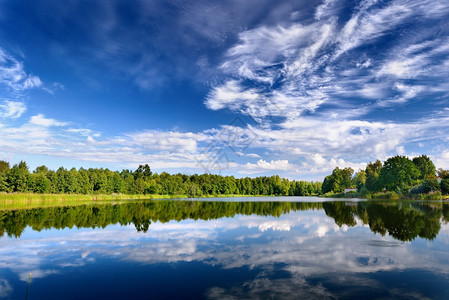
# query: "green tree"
[372,173]
[41,169]
[85,185]
[339,180]
[117,183]
[327,185]
[4,168]
[19,178]
[399,174]
[143,171]
[427,185]
[360,179]
[41,183]
[425,166]
[444,186]
[444,174]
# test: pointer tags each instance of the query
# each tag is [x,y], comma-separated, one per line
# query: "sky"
[243,88]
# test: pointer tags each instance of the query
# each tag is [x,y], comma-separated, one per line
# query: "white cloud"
[84,132]
[231,94]
[253,155]
[165,140]
[13,75]
[41,120]
[262,166]
[318,159]
[309,85]
[12,109]
[32,82]
[328,8]
[371,23]
[300,69]
[441,160]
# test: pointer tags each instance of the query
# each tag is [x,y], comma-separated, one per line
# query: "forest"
[18,178]
[397,176]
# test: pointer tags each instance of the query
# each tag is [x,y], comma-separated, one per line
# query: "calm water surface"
[250,248]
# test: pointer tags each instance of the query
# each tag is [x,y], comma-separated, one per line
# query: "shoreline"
[11,201]
[387,196]
[32,200]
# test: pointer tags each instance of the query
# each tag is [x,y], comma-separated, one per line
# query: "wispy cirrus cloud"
[12,109]
[13,75]
[298,147]
[325,83]
[304,67]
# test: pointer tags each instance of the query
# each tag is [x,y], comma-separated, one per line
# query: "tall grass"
[30,200]
[32,196]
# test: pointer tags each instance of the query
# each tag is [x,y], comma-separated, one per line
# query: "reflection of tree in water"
[341,213]
[403,220]
[141,214]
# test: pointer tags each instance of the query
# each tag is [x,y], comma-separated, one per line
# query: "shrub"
[428,185]
[433,196]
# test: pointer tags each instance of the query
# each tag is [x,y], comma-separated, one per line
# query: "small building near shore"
[349,190]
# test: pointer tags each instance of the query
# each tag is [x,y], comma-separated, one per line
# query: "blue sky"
[244,88]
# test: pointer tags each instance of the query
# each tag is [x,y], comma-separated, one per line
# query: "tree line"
[397,174]
[18,178]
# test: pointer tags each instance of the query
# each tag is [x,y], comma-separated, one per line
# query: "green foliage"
[327,184]
[4,167]
[339,180]
[425,166]
[399,174]
[143,171]
[42,184]
[4,187]
[427,185]
[360,179]
[19,178]
[444,186]
[142,181]
[372,172]
[444,174]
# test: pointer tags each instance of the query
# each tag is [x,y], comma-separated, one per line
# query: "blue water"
[310,253]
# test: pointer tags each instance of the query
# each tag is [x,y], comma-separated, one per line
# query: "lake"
[236,248]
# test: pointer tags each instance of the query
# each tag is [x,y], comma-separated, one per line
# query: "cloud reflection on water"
[303,245]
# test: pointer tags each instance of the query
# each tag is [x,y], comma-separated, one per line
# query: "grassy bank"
[387,196]
[31,200]
[32,196]
[95,197]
